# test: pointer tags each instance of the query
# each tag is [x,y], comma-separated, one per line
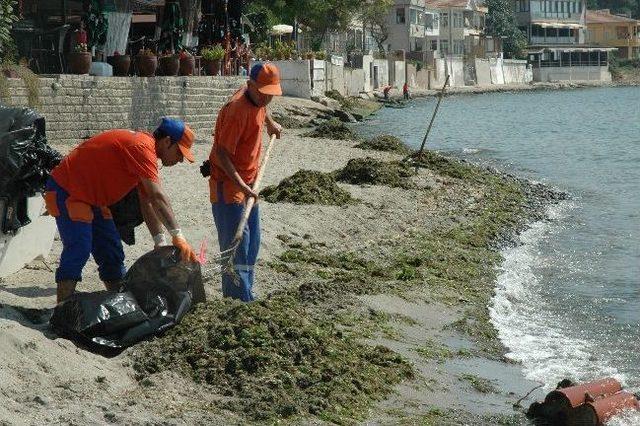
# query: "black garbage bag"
[127,215]
[157,292]
[26,160]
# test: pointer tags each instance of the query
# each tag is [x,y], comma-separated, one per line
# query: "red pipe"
[607,407]
[577,395]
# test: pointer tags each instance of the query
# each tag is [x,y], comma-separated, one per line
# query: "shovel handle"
[256,187]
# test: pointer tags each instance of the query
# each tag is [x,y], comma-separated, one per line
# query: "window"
[413,16]
[458,47]
[428,22]
[580,7]
[573,6]
[556,8]
[444,46]
[564,32]
[561,7]
[457,20]
[445,20]
[434,44]
[400,16]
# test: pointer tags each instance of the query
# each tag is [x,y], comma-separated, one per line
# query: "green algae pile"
[308,187]
[332,129]
[387,143]
[369,171]
[274,361]
[289,121]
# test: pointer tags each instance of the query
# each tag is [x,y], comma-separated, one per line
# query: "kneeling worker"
[100,172]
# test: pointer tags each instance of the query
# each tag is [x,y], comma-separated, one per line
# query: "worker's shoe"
[114,285]
[65,290]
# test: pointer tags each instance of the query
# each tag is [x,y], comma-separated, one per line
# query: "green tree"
[374,17]
[7,19]
[501,23]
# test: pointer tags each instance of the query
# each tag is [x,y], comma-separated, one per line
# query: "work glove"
[187,254]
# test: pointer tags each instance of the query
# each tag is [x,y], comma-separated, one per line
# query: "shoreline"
[411,269]
[510,88]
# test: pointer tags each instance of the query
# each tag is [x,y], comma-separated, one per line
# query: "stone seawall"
[77,107]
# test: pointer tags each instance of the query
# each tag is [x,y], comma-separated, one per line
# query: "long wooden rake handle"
[251,201]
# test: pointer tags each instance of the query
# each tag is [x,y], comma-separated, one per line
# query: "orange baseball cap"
[267,77]
[179,133]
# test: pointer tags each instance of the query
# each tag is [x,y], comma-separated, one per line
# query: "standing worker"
[100,172]
[405,91]
[234,164]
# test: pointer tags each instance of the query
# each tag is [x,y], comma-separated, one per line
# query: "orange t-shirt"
[239,132]
[103,169]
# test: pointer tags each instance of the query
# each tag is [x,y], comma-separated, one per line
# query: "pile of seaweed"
[308,187]
[274,360]
[387,143]
[359,171]
[450,167]
[332,129]
[289,121]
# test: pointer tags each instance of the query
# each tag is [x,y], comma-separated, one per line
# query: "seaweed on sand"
[387,143]
[359,171]
[308,187]
[332,129]
[274,360]
[289,121]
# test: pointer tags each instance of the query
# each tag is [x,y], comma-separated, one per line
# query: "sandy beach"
[460,377]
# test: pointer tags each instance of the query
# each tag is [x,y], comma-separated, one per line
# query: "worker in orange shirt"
[98,173]
[234,165]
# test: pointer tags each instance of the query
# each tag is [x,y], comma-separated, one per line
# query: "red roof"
[603,16]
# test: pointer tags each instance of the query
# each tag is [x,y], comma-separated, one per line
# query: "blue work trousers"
[93,234]
[226,217]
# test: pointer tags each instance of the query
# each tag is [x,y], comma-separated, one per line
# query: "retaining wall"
[77,107]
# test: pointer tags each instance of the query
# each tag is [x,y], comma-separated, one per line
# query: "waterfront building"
[558,47]
[462,29]
[621,32]
[413,27]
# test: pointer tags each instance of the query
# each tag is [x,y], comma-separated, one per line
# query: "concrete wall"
[417,79]
[548,74]
[76,107]
[383,73]
[295,78]
[455,69]
[483,74]
[367,60]
[495,71]
[516,71]
[318,76]
[397,73]
[335,77]
[354,81]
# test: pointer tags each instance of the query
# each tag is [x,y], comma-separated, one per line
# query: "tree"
[375,18]
[501,23]
[7,19]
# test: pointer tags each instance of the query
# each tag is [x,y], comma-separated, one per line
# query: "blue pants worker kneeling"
[227,217]
[84,230]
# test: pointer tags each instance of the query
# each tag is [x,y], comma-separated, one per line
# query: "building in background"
[462,29]
[557,36]
[412,24]
[621,32]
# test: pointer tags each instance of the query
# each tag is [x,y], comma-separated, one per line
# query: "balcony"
[552,40]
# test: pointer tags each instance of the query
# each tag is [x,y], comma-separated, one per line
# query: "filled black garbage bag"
[127,215]
[158,291]
[25,162]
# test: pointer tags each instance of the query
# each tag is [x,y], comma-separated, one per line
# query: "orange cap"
[267,78]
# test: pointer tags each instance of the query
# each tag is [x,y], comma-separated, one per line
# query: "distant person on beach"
[405,91]
[234,162]
[100,172]
[386,91]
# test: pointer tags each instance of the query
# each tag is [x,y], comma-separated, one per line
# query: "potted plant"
[120,64]
[169,64]
[146,63]
[212,57]
[187,63]
[79,61]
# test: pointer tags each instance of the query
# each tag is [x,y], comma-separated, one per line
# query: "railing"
[552,40]
[563,64]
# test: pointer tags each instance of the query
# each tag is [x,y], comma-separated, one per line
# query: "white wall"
[295,78]
[548,74]
[383,73]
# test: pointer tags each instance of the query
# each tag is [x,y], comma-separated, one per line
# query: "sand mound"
[308,187]
[332,129]
[387,143]
[274,360]
[359,171]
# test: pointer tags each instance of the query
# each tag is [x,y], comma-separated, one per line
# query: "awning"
[557,25]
